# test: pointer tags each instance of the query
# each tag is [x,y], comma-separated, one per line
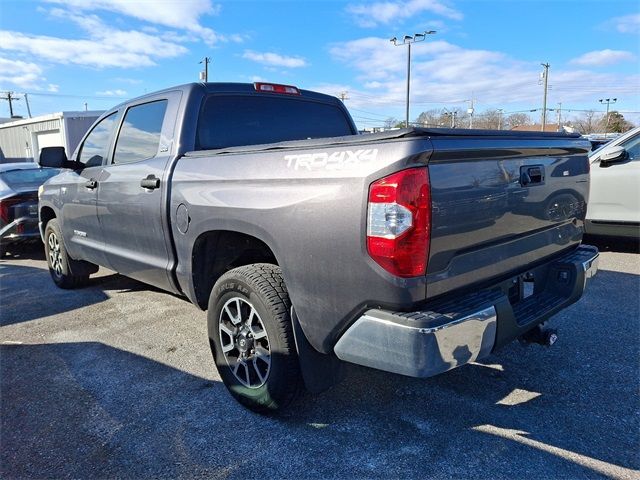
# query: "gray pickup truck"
[412,251]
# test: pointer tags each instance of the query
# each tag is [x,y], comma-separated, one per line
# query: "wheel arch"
[46,215]
[218,251]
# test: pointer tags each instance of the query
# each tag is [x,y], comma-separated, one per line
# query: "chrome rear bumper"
[457,331]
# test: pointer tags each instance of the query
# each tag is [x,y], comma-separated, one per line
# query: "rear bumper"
[452,332]
[22,229]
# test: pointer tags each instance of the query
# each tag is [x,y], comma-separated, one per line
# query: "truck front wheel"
[251,337]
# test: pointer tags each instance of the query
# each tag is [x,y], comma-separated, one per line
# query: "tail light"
[6,206]
[399,222]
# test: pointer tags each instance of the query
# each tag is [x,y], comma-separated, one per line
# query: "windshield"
[239,120]
[24,179]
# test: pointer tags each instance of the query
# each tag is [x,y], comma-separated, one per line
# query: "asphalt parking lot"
[116,380]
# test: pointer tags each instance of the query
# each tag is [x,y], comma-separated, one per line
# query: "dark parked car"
[19,184]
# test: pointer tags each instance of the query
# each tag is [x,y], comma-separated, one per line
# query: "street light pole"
[607,101]
[408,40]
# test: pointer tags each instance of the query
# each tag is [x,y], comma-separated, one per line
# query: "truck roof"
[231,87]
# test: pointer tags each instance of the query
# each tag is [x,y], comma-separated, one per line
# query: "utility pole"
[86,106]
[206,61]
[560,116]
[343,96]
[408,40]
[602,100]
[545,75]
[26,101]
[10,98]
[470,111]
[500,112]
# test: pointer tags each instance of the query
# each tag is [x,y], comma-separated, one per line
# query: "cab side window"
[139,136]
[96,145]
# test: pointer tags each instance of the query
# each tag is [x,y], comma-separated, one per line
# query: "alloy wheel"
[244,341]
[55,257]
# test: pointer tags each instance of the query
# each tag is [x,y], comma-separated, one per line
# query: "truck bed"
[308,200]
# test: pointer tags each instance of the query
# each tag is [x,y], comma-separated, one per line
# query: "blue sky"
[68,52]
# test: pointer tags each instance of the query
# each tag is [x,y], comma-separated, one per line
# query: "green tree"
[617,123]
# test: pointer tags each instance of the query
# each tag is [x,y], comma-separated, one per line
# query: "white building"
[21,140]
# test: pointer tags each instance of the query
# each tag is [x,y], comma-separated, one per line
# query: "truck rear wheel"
[251,337]
[65,272]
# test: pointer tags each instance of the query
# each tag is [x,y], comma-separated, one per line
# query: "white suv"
[614,200]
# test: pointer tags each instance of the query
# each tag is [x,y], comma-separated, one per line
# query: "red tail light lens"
[399,222]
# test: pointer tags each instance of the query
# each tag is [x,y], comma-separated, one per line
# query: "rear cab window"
[240,120]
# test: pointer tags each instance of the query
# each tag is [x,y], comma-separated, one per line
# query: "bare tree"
[490,119]
[391,122]
[588,122]
[517,119]
[431,118]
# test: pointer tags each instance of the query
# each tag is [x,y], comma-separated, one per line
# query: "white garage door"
[50,138]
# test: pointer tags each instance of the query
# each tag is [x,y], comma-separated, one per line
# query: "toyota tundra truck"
[412,251]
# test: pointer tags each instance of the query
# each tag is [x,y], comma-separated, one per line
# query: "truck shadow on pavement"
[29,289]
[570,410]
[613,244]
[87,410]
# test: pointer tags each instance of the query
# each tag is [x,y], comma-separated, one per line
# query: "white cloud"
[113,93]
[137,49]
[626,24]
[21,74]
[274,60]
[598,58]
[373,14]
[180,14]
[444,74]
[52,87]
[105,47]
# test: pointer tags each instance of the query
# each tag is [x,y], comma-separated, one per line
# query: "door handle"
[151,182]
[91,184]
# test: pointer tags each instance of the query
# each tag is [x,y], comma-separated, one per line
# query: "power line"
[66,95]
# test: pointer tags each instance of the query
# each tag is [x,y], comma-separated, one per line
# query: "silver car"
[614,200]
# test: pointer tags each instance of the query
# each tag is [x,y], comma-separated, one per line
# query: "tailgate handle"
[532,175]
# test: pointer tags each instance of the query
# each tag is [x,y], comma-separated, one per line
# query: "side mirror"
[54,157]
[613,155]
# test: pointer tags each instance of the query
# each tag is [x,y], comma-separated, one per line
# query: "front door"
[78,193]
[133,191]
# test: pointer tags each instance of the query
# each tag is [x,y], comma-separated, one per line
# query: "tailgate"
[502,204]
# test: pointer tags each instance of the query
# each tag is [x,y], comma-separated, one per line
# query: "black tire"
[65,272]
[254,295]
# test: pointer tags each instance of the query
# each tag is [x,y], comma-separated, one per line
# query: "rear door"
[133,188]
